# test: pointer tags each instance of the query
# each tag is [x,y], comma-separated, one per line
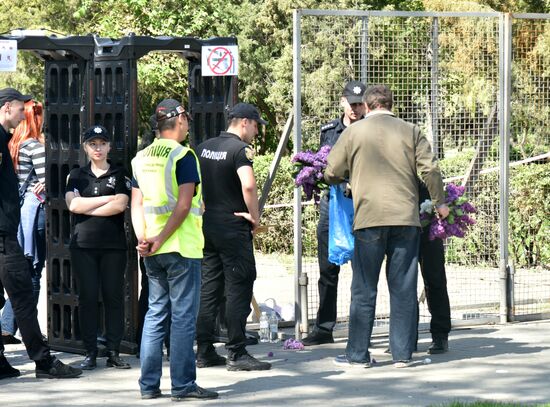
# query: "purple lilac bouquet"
[308,171]
[458,221]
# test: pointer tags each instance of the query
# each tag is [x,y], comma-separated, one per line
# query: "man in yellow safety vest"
[167,220]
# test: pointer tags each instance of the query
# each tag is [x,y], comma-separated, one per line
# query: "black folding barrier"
[91,80]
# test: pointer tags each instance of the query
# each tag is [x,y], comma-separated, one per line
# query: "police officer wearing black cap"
[230,219]
[15,270]
[354,109]
[98,194]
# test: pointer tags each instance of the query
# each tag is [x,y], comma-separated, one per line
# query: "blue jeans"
[174,287]
[400,245]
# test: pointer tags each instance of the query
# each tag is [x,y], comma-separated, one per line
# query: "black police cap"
[354,91]
[96,131]
[246,111]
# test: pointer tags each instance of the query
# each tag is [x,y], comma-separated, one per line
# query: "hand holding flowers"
[458,221]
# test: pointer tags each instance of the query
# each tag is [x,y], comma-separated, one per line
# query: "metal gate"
[477,84]
[91,80]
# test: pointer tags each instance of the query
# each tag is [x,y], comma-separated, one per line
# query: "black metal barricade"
[91,80]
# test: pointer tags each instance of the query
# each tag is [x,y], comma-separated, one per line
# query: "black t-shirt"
[99,232]
[10,212]
[219,159]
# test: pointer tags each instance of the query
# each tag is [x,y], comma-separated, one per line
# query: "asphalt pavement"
[492,362]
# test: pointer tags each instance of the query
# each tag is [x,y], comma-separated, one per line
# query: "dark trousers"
[328,274]
[15,278]
[228,273]
[432,266]
[95,267]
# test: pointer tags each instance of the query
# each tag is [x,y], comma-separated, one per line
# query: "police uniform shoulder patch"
[329,125]
[249,152]
[128,183]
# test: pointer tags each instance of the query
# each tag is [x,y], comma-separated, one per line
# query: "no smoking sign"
[220,60]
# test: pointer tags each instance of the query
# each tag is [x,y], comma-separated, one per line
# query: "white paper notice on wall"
[220,60]
[8,55]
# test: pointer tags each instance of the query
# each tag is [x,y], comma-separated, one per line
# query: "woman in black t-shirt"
[98,195]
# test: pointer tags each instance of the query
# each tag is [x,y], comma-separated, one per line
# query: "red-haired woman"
[29,159]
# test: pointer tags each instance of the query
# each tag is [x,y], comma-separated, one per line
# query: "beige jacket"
[382,155]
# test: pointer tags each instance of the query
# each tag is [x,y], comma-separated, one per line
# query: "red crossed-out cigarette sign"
[220,60]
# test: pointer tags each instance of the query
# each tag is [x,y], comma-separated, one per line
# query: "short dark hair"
[167,124]
[378,96]
[233,121]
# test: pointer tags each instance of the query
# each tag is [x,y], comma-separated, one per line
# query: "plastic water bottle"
[264,328]
[273,328]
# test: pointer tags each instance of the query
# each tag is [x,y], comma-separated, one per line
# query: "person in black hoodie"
[15,270]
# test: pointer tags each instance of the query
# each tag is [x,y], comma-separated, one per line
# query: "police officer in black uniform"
[231,216]
[15,270]
[432,265]
[354,109]
[98,194]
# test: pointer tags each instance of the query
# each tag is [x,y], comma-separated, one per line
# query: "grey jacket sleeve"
[427,167]
[338,160]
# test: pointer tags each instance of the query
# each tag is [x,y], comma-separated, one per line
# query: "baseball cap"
[246,111]
[353,92]
[169,108]
[96,131]
[9,94]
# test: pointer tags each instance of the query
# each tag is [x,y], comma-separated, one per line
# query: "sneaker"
[57,370]
[439,345]
[318,337]
[9,339]
[6,370]
[246,362]
[198,393]
[154,395]
[210,359]
[400,364]
[342,360]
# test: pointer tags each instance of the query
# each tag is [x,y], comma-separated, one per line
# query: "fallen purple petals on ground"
[293,344]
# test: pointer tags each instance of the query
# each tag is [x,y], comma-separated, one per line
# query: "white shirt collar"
[379,111]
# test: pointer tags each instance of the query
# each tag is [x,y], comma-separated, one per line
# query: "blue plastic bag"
[340,226]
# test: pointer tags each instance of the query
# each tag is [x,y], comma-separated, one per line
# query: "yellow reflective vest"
[154,168]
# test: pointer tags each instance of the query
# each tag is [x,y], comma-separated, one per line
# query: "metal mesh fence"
[530,182]
[446,73]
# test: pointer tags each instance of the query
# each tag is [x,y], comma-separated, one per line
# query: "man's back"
[219,158]
[384,155]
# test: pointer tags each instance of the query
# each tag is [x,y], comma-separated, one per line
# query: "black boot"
[8,339]
[439,345]
[89,363]
[318,337]
[6,370]
[207,357]
[114,360]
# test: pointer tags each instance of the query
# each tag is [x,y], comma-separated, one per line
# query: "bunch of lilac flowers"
[458,221]
[308,171]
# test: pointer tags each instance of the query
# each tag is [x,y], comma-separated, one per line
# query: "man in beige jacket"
[381,156]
